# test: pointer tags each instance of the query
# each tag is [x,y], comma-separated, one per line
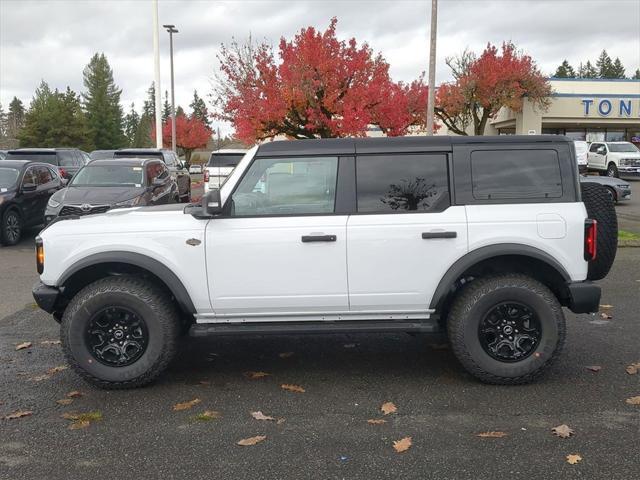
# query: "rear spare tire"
[601,208]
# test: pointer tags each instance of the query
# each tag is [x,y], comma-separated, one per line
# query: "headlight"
[129,203]
[625,186]
[53,203]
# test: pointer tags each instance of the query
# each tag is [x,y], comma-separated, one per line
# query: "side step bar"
[293,328]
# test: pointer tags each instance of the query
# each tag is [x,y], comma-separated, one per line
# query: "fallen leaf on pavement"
[492,434]
[280,421]
[79,424]
[247,442]
[573,458]
[204,382]
[292,388]
[82,420]
[606,306]
[376,421]
[23,345]
[402,445]
[594,368]
[388,407]
[285,354]
[207,415]
[19,414]
[74,394]
[633,400]
[65,401]
[255,375]
[633,368]
[50,342]
[57,369]
[185,405]
[261,416]
[39,378]
[605,316]
[562,431]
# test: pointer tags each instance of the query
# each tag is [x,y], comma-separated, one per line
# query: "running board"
[290,328]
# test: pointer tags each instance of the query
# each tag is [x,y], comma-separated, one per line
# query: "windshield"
[138,154]
[623,147]
[109,176]
[46,157]
[224,159]
[8,177]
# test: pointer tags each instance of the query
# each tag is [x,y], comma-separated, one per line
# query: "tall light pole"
[156,55]
[432,67]
[172,29]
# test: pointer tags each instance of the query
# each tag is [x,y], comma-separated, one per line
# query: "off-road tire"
[476,299]
[601,208]
[5,237]
[149,301]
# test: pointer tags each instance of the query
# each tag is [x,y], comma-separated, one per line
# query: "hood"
[98,195]
[634,155]
[611,181]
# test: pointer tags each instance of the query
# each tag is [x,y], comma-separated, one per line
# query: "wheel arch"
[501,258]
[100,265]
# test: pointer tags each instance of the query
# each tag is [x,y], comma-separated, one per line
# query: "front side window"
[515,174]
[44,175]
[170,159]
[30,177]
[402,183]
[287,186]
[594,147]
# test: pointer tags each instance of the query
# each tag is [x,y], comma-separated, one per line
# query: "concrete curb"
[628,243]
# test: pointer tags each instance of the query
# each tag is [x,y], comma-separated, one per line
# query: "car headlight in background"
[53,203]
[129,203]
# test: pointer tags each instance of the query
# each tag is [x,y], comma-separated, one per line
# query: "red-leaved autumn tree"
[191,133]
[483,85]
[319,87]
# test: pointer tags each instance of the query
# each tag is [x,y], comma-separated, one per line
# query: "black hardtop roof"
[39,150]
[350,146]
[142,150]
[123,161]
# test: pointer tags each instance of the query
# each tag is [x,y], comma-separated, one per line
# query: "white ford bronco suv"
[485,238]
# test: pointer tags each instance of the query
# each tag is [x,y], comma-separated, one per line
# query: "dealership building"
[583,109]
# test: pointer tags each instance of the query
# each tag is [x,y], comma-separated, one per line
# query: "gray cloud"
[54,39]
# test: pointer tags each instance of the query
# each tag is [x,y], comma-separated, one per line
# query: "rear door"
[405,234]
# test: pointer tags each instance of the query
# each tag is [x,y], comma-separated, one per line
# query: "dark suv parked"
[67,160]
[179,170]
[25,188]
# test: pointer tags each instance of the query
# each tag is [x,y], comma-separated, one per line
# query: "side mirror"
[29,187]
[601,150]
[158,182]
[211,203]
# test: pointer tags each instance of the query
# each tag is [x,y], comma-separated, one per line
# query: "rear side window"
[515,174]
[67,158]
[224,159]
[402,183]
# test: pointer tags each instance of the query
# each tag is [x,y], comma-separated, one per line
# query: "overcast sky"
[54,39]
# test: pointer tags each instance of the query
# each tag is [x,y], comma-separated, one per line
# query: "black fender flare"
[484,253]
[139,260]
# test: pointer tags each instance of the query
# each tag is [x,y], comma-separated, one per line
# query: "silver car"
[618,189]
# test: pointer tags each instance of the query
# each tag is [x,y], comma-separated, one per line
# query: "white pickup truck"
[614,159]
[485,238]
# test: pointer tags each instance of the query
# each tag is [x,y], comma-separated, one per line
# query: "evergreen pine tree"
[179,111]
[587,71]
[604,65]
[149,106]
[166,108]
[142,137]
[3,123]
[617,70]
[15,118]
[102,104]
[637,75]
[199,109]
[131,123]
[565,70]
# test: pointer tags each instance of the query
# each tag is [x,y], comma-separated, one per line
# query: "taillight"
[63,172]
[39,255]
[590,239]
[206,175]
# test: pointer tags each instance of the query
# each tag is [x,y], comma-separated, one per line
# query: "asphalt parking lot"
[324,431]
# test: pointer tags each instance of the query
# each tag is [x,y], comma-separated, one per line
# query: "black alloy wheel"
[510,332]
[11,228]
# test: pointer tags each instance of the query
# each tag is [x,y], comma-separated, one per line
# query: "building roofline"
[556,79]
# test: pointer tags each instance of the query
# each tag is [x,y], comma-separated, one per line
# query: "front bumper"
[45,296]
[584,297]
[628,171]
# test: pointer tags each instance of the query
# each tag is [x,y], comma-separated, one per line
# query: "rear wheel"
[600,207]
[120,332]
[506,329]
[11,227]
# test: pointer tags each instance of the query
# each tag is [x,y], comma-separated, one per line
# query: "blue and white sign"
[616,107]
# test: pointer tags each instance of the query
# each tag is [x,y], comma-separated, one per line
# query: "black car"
[101,154]
[179,170]
[116,183]
[25,188]
[67,160]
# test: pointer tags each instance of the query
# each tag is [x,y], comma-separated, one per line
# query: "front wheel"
[120,332]
[612,170]
[506,329]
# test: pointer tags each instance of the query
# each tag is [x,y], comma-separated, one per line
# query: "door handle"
[318,238]
[430,235]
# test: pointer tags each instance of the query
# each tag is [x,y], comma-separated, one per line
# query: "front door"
[281,252]
[405,235]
